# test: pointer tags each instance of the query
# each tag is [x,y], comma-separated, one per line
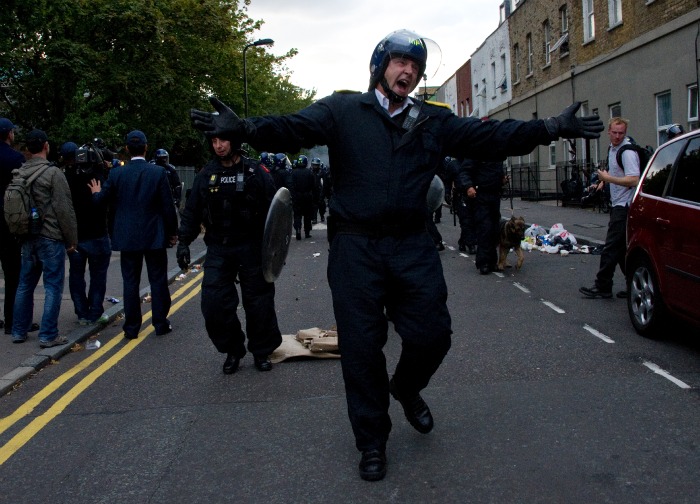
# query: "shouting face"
[402,75]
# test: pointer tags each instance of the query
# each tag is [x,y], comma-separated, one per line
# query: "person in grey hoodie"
[44,252]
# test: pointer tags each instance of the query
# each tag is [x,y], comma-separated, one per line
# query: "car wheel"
[646,308]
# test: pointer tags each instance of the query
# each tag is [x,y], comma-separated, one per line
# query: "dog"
[512,233]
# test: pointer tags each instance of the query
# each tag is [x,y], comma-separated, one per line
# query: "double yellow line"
[33,428]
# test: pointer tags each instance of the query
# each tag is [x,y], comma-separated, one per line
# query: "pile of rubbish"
[313,343]
[555,241]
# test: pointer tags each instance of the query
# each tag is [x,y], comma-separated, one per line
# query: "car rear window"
[660,169]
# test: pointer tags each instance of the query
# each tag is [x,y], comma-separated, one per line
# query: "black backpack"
[644,154]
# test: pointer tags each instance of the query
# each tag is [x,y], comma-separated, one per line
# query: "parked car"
[663,238]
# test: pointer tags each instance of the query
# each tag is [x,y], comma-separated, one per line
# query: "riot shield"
[277,235]
[436,194]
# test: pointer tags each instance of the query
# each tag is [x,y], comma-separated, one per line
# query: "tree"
[85,68]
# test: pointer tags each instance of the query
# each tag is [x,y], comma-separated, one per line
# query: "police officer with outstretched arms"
[384,149]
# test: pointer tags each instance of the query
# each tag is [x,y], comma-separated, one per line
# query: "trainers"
[84,322]
[16,338]
[594,292]
[623,294]
[57,341]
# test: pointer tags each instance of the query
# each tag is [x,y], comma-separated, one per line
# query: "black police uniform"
[232,203]
[175,183]
[381,256]
[487,178]
[303,189]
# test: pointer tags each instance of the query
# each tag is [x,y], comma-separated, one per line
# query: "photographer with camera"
[94,249]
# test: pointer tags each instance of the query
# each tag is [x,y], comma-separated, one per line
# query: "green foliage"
[85,68]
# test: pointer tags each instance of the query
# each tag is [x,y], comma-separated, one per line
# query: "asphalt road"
[545,397]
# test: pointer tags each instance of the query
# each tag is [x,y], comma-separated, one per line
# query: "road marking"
[522,287]
[597,334]
[33,428]
[499,274]
[552,306]
[463,254]
[656,369]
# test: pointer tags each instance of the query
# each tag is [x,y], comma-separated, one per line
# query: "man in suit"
[143,222]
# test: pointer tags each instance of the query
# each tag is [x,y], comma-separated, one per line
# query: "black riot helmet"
[280,161]
[316,163]
[400,43]
[303,161]
[162,157]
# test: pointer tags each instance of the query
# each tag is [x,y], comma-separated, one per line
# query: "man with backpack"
[44,247]
[623,176]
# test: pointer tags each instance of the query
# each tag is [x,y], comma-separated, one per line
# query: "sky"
[335,38]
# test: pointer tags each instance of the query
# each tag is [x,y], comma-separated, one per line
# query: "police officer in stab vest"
[384,149]
[231,196]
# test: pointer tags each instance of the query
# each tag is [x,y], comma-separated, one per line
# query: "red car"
[663,238]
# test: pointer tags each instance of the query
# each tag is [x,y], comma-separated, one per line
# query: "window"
[581,153]
[493,77]
[693,107]
[595,145]
[516,58]
[588,21]
[564,18]
[553,155]
[615,12]
[528,39]
[615,110]
[547,41]
[686,182]
[503,81]
[664,117]
[657,175]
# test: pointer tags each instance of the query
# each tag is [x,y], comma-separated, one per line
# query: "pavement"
[19,361]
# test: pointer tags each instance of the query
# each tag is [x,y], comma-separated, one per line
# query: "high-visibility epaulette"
[439,104]
[347,91]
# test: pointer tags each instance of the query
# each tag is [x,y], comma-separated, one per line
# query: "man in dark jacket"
[303,189]
[10,254]
[94,249]
[231,197]
[482,182]
[143,223]
[384,149]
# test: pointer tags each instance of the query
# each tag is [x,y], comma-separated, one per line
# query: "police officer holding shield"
[231,196]
[384,149]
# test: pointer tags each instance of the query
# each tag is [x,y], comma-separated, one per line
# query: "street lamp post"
[259,42]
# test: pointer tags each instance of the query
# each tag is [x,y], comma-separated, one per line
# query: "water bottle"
[34,222]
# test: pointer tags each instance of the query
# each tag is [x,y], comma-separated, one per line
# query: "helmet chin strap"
[393,97]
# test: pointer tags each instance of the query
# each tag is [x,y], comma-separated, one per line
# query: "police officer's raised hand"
[567,125]
[183,255]
[222,122]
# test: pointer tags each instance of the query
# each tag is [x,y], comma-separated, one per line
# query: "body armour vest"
[230,204]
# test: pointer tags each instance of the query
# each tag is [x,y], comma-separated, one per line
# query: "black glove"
[223,123]
[567,125]
[183,255]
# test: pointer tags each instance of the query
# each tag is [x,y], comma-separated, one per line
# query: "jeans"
[40,256]
[95,253]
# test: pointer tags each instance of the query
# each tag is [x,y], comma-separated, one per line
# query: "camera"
[88,159]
